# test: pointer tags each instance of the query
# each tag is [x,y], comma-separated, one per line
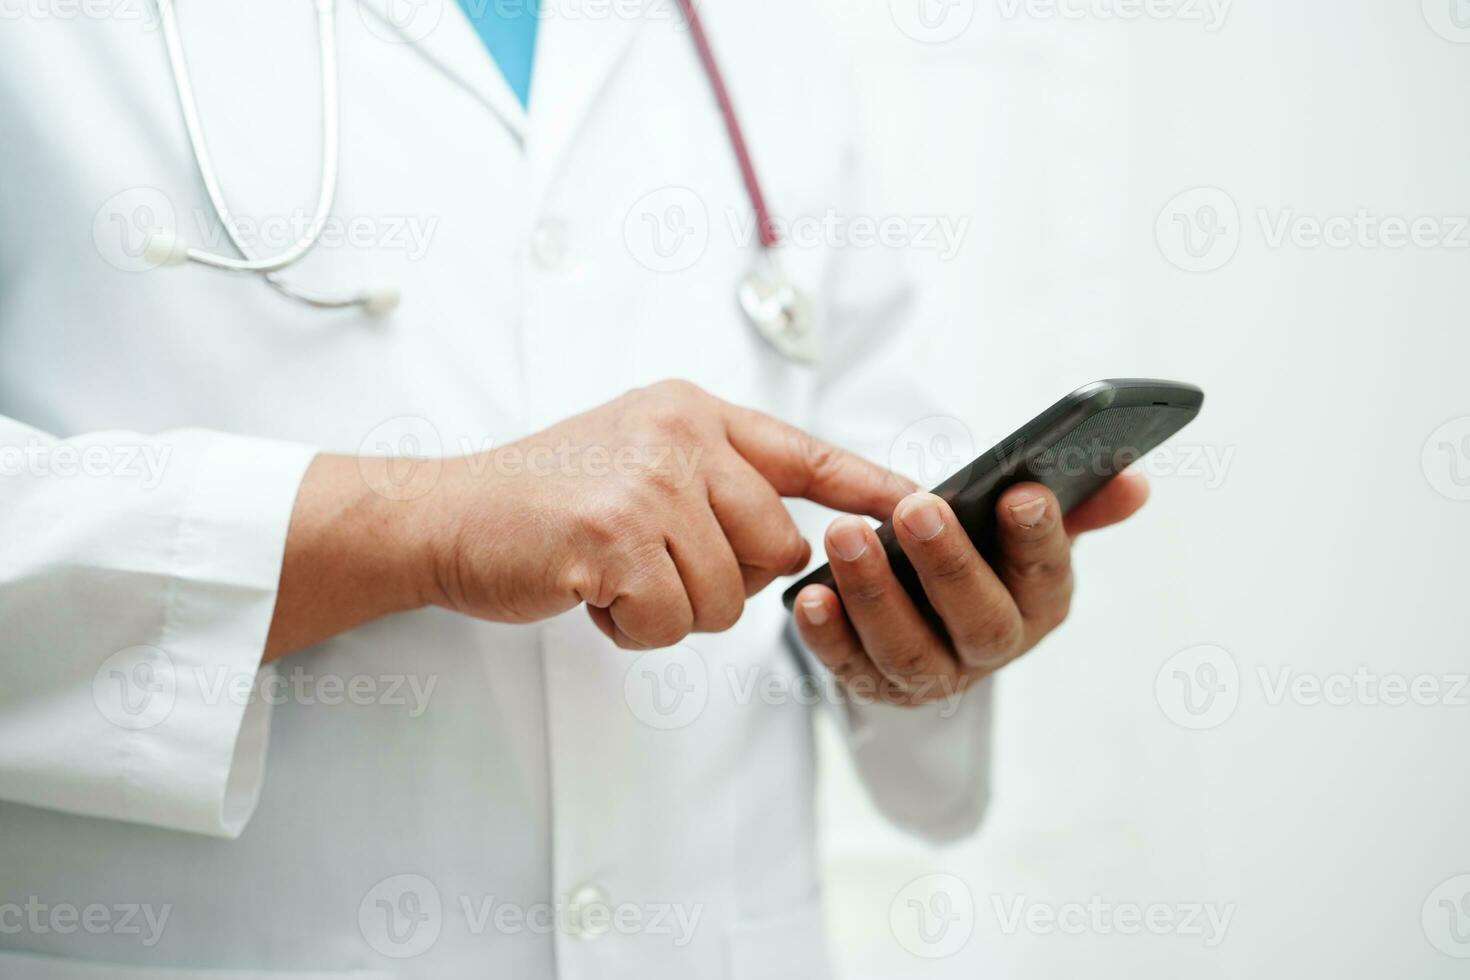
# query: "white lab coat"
[424,822]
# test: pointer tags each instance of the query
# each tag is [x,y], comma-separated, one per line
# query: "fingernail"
[849,538]
[1030,513]
[816,612]
[920,515]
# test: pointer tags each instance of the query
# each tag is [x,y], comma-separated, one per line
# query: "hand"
[879,646]
[660,510]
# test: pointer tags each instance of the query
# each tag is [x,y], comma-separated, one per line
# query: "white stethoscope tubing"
[165,248]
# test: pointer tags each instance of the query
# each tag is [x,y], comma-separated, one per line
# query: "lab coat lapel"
[444,36]
[575,56]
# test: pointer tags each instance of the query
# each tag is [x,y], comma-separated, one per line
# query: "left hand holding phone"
[878,644]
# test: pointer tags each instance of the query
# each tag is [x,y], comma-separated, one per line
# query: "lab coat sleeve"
[926,768]
[138,579]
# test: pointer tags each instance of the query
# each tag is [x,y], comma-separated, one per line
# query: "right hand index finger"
[798,464]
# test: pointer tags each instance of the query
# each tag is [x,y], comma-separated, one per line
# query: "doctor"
[426,634]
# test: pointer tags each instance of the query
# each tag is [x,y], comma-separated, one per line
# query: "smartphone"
[1074,447]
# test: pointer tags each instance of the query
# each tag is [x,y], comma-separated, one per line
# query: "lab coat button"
[588,915]
[549,246]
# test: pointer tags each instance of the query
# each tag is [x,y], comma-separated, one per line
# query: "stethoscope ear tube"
[165,248]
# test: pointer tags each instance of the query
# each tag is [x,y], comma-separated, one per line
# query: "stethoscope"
[775,306]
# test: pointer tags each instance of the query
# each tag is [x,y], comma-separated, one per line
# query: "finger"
[798,464]
[984,625]
[1035,557]
[893,632]
[1119,499]
[824,628]
[765,539]
[757,579]
[652,609]
[710,573]
[602,619]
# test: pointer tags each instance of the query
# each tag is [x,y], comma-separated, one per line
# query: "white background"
[1329,544]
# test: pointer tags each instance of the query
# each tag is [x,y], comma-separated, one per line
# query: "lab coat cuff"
[199,763]
[927,768]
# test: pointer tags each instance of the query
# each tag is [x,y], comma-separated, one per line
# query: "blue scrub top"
[508,29]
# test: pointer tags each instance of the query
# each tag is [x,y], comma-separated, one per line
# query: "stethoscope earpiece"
[164,248]
[379,303]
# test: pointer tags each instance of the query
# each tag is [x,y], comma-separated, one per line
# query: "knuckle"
[670,625]
[908,662]
[991,637]
[644,559]
[660,482]
[1041,568]
[677,389]
[582,578]
[817,459]
[674,423]
[865,593]
[1054,614]
[613,526]
[891,692]
[722,615]
[952,566]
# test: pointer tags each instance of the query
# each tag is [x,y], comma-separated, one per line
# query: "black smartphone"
[1074,447]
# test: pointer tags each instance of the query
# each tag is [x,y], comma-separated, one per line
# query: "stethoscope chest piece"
[780,311]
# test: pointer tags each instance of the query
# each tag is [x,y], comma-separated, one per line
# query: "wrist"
[404,527]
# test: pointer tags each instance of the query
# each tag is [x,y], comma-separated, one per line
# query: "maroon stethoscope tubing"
[768,237]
